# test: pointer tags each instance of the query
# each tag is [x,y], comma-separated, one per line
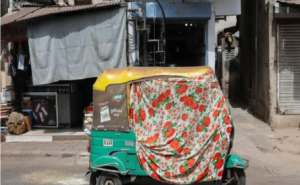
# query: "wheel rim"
[109,182]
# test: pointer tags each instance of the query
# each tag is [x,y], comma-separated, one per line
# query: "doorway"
[185,43]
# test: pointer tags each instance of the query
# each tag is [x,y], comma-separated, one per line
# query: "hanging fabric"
[12,69]
[182,128]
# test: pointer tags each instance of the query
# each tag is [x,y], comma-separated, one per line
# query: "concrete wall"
[246,47]
[259,63]
[276,120]
[211,54]
[264,53]
[254,28]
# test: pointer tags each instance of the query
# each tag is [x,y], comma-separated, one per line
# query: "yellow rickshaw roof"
[124,75]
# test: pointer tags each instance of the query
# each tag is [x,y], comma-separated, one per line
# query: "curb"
[45,138]
[39,153]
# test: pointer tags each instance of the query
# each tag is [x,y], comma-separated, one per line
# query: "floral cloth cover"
[182,128]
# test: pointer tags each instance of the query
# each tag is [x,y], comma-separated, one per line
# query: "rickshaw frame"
[123,161]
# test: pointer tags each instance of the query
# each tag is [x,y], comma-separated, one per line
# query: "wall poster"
[45,111]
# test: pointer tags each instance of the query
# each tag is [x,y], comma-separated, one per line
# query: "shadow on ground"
[150,181]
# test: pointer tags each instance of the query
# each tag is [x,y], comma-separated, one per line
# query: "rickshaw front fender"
[109,164]
[235,161]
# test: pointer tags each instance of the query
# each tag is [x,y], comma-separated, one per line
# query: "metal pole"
[164,30]
[145,63]
[11,4]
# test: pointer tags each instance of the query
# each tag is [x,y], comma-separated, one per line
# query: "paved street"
[274,157]
[46,170]
[44,149]
[70,171]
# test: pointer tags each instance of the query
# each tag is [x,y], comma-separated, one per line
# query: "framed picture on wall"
[45,109]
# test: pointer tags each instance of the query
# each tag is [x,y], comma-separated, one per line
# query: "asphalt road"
[48,171]
[71,171]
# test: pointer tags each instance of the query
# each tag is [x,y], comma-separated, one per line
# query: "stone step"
[48,136]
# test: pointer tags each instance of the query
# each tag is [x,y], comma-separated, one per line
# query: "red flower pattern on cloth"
[151,112]
[174,120]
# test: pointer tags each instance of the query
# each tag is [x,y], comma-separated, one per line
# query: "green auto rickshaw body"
[122,152]
[122,158]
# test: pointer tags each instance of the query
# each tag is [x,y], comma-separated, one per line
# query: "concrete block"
[285,121]
[28,138]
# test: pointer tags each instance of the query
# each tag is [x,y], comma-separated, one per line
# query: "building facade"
[65,47]
[189,28]
[270,60]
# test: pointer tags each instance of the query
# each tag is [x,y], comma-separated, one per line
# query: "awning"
[176,11]
[290,1]
[34,12]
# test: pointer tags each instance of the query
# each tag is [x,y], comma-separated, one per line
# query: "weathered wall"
[262,100]
[255,56]
[247,35]
[211,54]
[276,120]
[272,64]
[259,63]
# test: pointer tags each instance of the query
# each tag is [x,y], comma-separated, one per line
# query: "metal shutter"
[289,68]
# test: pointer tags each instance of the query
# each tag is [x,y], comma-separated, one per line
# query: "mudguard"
[234,161]
[106,162]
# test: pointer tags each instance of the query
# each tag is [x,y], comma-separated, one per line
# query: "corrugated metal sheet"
[34,12]
[28,4]
[289,68]
[42,1]
[290,1]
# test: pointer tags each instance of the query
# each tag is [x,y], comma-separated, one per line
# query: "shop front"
[54,57]
[287,16]
[188,31]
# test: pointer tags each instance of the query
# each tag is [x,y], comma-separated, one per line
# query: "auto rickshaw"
[172,124]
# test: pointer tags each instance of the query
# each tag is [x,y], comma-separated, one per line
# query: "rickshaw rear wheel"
[108,179]
[235,177]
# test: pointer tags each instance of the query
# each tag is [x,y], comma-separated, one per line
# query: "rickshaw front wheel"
[108,179]
[93,178]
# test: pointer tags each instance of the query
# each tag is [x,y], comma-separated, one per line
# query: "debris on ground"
[277,149]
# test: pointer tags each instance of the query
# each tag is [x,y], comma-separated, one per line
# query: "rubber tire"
[108,176]
[242,176]
[93,178]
